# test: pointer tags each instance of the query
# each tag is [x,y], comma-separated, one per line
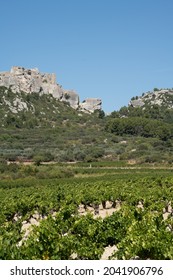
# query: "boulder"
[91,104]
[72,98]
[136,103]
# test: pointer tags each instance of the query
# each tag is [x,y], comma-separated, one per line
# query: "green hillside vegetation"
[47,128]
[40,128]
[156,112]
[140,127]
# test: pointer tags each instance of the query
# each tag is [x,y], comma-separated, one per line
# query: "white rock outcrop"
[91,104]
[158,97]
[31,80]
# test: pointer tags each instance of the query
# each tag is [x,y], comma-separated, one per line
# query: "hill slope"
[34,126]
[160,97]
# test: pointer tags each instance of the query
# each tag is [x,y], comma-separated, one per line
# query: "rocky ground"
[99,212]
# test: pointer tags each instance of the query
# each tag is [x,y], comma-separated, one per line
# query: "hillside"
[32,124]
[160,97]
[38,126]
[156,104]
[28,81]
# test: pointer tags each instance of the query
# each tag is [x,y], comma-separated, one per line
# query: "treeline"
[157,112]
[140,126]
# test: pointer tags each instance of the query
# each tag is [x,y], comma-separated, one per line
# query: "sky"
[108,49]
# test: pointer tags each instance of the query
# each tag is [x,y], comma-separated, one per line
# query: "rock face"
[72,97]
[31,80]
[162,97]
[91,104]
[137,103]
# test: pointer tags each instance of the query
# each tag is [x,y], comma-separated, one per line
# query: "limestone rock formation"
[72,98]
[158,97]
[91,104]
[137,103]
[31,80]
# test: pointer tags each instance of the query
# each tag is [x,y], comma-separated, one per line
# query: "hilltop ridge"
[160,97]
[20,79]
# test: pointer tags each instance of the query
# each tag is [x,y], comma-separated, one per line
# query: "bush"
[141,127]
[3,166]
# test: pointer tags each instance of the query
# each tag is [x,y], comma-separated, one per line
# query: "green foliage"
[100,113]
[63,233]
[146,239]
[49,130]
[140,126]
[67,96]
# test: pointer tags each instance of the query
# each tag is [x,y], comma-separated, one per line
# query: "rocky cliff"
[91,104]
[160,97]
[20,79]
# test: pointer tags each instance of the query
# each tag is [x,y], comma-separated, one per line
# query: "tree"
[38,159]
[101,114]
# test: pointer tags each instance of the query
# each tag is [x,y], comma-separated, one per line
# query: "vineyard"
[80,216]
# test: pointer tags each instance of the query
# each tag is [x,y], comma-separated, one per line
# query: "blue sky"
[110,49]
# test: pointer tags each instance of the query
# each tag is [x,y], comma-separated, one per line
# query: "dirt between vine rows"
[101,212]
